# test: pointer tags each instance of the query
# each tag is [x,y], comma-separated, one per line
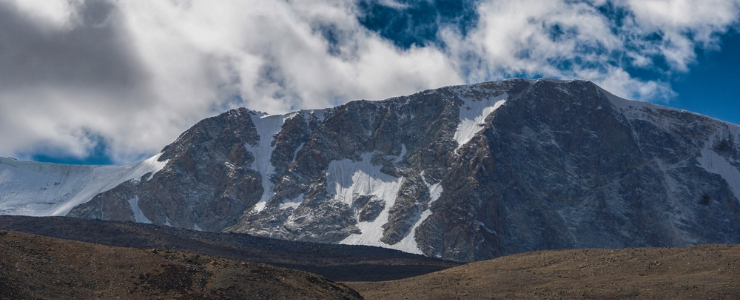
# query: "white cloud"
[201,57]
[518,37]
[57,13]
[154,68]
[703,16]
[684,24]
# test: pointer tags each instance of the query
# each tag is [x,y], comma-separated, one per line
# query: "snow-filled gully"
[347,179]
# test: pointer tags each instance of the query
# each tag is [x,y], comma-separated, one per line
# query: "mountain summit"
[461,173]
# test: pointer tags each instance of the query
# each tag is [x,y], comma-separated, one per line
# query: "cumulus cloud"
[683,24]
[596,40]
[135,74]
[66,79]
[140,73]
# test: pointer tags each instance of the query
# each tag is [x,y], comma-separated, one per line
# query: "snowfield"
[46,189]
[473,114]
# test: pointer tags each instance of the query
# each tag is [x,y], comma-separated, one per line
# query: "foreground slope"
[460,173]
[336,262]
[35,267]
[697,272]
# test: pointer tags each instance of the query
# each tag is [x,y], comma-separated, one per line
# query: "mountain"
[461,173]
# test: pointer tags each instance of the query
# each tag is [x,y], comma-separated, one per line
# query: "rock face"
[206,183]
[462,173]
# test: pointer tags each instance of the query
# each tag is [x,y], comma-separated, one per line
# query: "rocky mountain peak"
[462,173]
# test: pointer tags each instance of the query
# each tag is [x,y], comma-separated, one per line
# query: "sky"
[108,81]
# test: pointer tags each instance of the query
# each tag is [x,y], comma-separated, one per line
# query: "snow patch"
[196,228]
[716,164]
[553,80]
[401,156]
[320,114]
[435,190]
[292,203]
[366,179]
[473,115]
[408,243]
[260,206]
[45,189]
[347,179]
[139,216]
[295,153]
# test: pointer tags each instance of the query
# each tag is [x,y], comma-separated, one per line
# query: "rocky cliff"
[462,173]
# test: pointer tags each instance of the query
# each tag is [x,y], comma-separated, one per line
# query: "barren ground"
[696,272]
[37,267]
[336,262]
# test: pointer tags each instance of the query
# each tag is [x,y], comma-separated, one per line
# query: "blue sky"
[711,87]
[104,81]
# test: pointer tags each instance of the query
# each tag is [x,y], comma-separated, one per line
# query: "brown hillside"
[336,262]
[696,272]
[36,267]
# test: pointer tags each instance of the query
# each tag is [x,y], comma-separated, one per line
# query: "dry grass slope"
[336,262]
[696,272]
[36,267]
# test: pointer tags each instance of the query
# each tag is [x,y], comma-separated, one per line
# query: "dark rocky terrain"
[336,262]
[696,272]
[36,267]
[460,173]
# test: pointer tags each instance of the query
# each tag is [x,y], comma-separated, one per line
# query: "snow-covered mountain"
[462,173]
[45,189]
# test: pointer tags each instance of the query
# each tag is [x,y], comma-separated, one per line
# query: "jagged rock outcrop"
[462,173]
[206,184]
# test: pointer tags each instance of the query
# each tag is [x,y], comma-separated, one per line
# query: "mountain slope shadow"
[336,262]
